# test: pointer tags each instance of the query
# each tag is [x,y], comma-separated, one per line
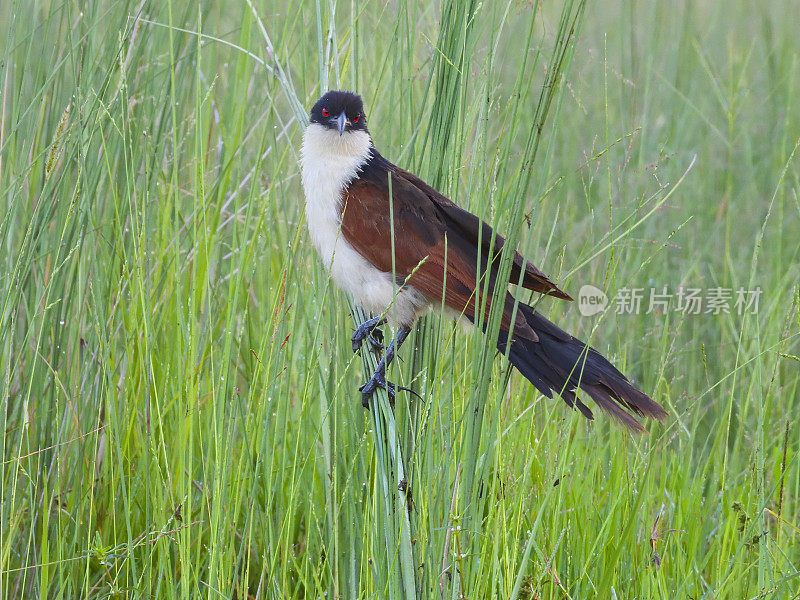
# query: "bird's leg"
[369,330]
[378,379]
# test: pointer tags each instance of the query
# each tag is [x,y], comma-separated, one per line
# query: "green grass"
[181,416]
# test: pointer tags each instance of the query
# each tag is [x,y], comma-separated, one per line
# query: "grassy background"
[180,408]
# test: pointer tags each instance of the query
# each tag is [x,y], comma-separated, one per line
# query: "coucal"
[399,247]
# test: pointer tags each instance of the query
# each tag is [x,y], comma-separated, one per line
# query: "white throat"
[325,144]
[329,163]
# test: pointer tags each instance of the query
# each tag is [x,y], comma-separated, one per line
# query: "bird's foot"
[376,381]
[379,381]
[370,331]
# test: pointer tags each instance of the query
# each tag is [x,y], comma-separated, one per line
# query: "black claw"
[410,391]
[368,330]
[377,381]
[376,340]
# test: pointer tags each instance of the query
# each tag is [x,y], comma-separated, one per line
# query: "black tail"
[561,363]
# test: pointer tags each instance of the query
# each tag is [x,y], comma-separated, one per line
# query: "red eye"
[325,112]
[357,117]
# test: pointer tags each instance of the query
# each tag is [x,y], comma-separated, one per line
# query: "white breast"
[329,163]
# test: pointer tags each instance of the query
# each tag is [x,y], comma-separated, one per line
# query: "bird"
[399,248]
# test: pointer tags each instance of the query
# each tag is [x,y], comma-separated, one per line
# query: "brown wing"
[480,233]
[426,255]
[429,247]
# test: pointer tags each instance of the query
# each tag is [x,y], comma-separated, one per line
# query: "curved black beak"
[340,122]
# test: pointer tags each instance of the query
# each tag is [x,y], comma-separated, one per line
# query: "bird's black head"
[340,111]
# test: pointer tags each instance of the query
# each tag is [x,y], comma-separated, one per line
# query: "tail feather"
[559,362]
